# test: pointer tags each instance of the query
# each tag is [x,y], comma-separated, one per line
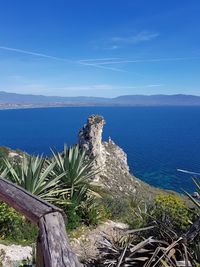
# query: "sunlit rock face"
[90,138]
[109,158]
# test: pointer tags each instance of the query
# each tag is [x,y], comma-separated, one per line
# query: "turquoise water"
[158,140]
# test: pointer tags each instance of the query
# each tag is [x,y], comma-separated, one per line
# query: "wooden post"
[56,248]
[53,249]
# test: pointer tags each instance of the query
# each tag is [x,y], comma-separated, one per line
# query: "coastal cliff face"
[114,172]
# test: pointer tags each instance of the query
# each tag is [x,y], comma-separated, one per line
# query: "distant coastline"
[21,106]
[22,101]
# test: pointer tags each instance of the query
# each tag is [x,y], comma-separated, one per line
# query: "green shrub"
[15,227]
[119,208]
[9,220]
[88,212]
[127,210]
[171,209]
[73,218]
[93,212]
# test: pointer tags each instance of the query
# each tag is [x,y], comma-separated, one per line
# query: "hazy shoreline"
[78,105]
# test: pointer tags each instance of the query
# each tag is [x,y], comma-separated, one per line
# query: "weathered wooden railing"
[53,249]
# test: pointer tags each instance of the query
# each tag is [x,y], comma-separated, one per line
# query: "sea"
[158,141]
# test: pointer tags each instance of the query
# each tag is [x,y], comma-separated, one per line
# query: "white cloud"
[137,38]
[117,42]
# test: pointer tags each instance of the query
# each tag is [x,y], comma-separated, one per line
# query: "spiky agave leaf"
[78,171]
[35,174]
[197,183]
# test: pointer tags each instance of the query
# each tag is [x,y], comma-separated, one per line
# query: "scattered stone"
[196,195]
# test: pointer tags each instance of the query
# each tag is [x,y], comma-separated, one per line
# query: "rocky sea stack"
[114,172]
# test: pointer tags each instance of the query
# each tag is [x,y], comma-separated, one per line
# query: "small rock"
[196,195]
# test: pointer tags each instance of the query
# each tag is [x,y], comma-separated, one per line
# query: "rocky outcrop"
[114,173]
[90,138]
[112,160]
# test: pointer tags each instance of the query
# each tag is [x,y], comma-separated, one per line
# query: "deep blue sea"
[158,140]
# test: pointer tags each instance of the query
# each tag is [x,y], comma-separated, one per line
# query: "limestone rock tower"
[90,138]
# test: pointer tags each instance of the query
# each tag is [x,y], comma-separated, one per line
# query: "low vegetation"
[165,231]
[65,179]
[166,237]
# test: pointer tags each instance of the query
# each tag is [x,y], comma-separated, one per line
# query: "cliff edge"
[114,173]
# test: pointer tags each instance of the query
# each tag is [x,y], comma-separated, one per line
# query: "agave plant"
[35,174]
[77,169]
[149,252]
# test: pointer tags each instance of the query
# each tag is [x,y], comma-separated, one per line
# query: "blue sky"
[100,47]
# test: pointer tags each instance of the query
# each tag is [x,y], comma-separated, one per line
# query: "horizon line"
[90,96]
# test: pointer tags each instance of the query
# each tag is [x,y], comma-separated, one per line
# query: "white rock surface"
[12,255]
[14,155]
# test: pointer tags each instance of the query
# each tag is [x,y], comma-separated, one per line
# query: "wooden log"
[53,249]
[31,206]
[56,248]
[39,253]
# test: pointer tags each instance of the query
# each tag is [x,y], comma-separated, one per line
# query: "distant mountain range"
[9,100]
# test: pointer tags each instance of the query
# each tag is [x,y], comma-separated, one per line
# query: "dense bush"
[119,208]
[130,210]
[15,227]
[93,212]
[90,213]
[172,210]
[10,221]
[73,218]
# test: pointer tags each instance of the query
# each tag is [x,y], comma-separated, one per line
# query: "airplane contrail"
[109,62]
[33,53]
[80,62]
[101,66]
[101,63]
[100,59]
